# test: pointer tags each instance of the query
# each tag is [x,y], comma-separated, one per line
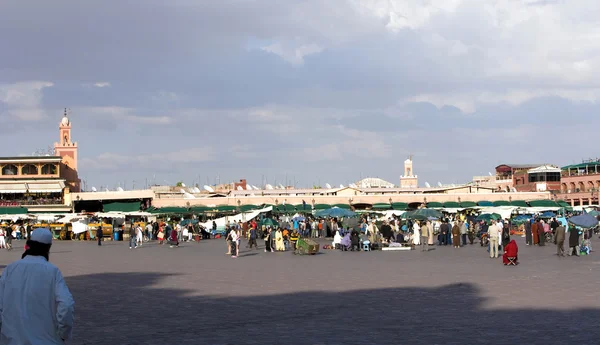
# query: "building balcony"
[37,202]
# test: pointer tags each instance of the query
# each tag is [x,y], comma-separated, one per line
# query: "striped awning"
[13,188]
[49,187]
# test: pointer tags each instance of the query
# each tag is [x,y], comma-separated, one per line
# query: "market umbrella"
[584,221]
[520,219]
[416,217]
[427,213]
[186,222]
[488,216]
[299,218]
[548,214]
[335,212]
[269,222]
[594,213]
[407,214]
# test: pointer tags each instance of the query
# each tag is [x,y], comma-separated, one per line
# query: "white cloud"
[469,101]
[24,99]
[123,115]
[102,84]
[293,54]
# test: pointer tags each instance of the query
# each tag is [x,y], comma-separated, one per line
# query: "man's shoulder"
[32,260]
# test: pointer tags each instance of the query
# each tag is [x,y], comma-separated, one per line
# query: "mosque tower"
[67,149]
[409,180]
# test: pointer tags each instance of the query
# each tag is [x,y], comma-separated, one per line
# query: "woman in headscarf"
[456,235]
[337,240]
[511,250]
[535,232]
[279,246]
[573,241]
[541,233]
[173,241]
[345,243]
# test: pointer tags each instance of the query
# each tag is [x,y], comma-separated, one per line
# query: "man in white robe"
[33,289]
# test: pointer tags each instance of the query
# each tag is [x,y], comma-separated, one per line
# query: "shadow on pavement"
[127,308]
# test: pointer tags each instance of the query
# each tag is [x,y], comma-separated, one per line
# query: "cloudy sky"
[318,90]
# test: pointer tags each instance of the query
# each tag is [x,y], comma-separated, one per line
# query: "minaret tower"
[409,179]
[67,149]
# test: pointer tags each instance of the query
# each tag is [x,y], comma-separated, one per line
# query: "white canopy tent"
[50,217]
[71,218]
[221,222]
[119,215]
[15,217]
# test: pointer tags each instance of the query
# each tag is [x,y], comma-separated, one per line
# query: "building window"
[9,169]
[29,169]
[49,169]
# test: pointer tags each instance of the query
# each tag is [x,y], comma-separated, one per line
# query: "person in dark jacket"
[99,235]
[505,233]
[559,240]
[355,240]
[573,242]
[155,228]
[444,229]
[132,236]
[28,230]
[386,231]
[528,234]
[252,240]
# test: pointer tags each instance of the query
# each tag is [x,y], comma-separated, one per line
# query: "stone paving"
[196,294]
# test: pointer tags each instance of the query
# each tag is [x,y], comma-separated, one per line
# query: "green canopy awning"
[563,203]
[246,208]
[322,206]
[519,203]
[344,206]
[485,203]
[226,208]
[501,203]
[284,209]
[399,206]
[381,206]
[543,203]
[468,204]
[13,210]
[165,210]
[434,204]
[451,204]
[122,206]
[200,209]
[301,207]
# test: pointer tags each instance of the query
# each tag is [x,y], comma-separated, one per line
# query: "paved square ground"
[196,294]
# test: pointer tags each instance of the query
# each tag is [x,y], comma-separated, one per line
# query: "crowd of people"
[354,234]
[456,230]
